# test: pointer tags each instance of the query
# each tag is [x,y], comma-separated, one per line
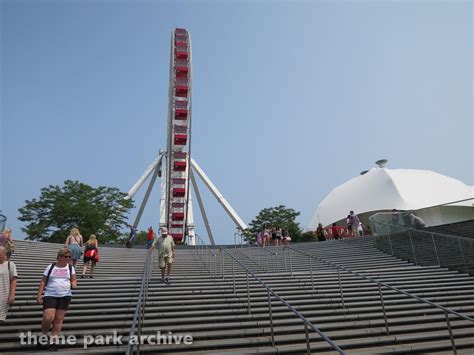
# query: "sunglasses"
[67,256]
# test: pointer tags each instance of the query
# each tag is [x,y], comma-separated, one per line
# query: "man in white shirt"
[166,253]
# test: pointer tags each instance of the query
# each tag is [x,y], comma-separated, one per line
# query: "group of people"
[150,236]
[354,225]
[59,278]
[407,219]
[354,229]
[273,236]
[74,243]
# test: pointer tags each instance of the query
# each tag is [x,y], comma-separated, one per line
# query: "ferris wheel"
[175,165]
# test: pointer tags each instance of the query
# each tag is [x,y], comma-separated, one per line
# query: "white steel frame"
[156,168]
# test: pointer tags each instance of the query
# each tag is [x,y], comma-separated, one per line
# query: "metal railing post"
[311,271]
[340,288]
[271,317]
[462,254]
[233,274]
[277,263]
[391,247]
[248,294]
[291,264]
[222,263]
[266,260]
[214,265]
[448,322]
[436,250]
[308,346]
[412,248]
[383,310]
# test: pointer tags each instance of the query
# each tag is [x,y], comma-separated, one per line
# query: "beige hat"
[164,230]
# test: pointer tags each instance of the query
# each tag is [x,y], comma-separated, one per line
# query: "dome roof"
[386,189]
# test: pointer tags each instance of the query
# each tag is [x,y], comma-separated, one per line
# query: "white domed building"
[431,196]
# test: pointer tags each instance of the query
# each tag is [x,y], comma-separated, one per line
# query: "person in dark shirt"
[320,233]
[131,239]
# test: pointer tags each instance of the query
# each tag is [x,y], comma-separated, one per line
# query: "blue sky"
[290,99]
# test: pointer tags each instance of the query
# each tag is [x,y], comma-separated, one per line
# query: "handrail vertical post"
[308,346]
[213,264]
[412,248]
[233,274]
[266,261]
[311,271]
[291,264]
[340,287]
[436,250]
[277,263]
[383,310]
[448,322]
[271,317]
[391,247]
[462,254]
[248,294]
[284,256]
[222,263]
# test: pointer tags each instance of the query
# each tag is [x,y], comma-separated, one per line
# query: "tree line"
[103,211]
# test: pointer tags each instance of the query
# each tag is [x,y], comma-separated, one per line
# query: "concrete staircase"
[461,229]
[202,303]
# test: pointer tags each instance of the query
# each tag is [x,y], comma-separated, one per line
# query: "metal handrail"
[267,251]
[139,314]
[397,230]
[270,291]
[379,283]
[414,229]
[209,259]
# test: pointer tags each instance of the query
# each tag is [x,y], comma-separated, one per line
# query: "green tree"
[101,211]
[307,237]
[275,216]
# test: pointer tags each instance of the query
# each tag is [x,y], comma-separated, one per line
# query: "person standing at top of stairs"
[353,223]
[150,237]
[166,253]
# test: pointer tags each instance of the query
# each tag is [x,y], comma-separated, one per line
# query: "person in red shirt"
[335,231]
[150,237]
